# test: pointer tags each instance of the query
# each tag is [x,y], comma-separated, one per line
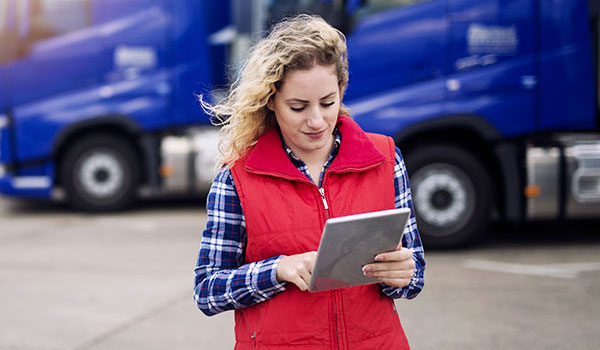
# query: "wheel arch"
[119,126]
[470,132]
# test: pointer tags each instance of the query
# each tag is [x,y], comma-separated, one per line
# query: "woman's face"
[306,108]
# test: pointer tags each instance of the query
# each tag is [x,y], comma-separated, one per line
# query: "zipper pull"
[322,192]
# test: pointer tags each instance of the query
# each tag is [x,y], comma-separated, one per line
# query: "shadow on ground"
[545,232]
[499,234]
[31,206]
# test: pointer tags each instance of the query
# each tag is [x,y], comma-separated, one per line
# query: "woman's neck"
[314,160]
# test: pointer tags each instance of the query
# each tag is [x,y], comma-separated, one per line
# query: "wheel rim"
[101,174]
[444,197]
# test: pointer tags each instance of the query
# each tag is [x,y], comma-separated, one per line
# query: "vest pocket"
[248,324]
[297,318]
[368,313]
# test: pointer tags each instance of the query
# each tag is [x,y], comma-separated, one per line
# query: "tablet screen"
[350,242]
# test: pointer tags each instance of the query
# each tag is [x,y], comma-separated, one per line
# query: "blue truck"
[494,103]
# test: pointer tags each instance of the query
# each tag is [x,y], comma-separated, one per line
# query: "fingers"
[305,272]
[301,283]
[302,278]
[388,274]
[398,255]
[392,268]
[311,259]
[389,271]
[297,269]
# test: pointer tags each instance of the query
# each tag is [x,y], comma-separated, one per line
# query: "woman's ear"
[270,104]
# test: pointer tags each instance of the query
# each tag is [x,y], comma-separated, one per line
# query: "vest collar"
[357,153]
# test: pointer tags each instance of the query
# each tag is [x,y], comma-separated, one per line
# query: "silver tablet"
[350,242]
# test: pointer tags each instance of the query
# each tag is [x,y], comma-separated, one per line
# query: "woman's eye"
[297,109]
[327,104]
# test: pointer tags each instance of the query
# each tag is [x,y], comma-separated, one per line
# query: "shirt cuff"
[400,292]
[272,284]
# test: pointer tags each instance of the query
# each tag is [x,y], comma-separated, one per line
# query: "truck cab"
[493,103]
[89,88]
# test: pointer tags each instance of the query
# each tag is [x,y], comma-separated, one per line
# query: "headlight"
[3,121]
[3,124]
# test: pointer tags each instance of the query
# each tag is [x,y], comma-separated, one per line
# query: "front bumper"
[25,186]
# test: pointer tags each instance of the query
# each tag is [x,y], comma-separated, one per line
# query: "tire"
[452,195]
[100,173]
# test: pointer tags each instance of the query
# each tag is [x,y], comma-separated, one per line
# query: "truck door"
[133,69]
[492,62]
[198,62]
[54,60]
[395,43]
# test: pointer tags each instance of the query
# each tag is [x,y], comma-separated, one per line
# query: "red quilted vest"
[285,214]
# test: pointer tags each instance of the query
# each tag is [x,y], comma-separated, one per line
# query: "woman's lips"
[315,135]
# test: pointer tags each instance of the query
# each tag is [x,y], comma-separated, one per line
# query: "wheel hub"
[441,199]
[101,174]
[441,196]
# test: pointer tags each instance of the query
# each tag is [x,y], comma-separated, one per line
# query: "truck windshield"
[51,18]
[25,22]
[338,13]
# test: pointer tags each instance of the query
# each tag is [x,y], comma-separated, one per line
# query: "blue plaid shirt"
[223,282]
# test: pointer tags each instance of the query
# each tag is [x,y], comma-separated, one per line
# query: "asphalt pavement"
[124,281]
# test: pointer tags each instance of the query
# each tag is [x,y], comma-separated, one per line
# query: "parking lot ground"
[124,281]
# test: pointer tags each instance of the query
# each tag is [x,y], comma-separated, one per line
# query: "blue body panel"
[566,82]
[396,48]
[523,66]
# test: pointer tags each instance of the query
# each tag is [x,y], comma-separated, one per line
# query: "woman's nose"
[315,118]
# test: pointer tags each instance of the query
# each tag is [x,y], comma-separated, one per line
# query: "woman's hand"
[297,269]
[392,268]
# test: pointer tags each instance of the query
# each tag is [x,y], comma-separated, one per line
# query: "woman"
[292,158]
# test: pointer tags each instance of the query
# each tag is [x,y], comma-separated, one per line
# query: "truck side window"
[25,22]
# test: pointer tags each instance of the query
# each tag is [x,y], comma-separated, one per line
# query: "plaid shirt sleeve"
[411,239]
[223,282]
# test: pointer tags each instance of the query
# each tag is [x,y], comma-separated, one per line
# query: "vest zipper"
[322,192]
[253,337]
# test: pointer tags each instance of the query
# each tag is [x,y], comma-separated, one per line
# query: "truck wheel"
[452,195]
[100,173]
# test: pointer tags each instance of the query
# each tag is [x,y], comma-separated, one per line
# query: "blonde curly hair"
[297,43]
